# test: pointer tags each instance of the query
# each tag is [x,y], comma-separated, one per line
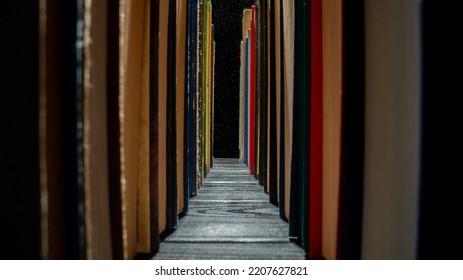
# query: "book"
[279,78]
[171,119]
[247,14]
[190,114]
[162,113]
[315,172]
[134,121]
[252,92]
[181,82]
[352,132]
[392,130]
[272,151]
[332,93]
[288,70]
[95,149]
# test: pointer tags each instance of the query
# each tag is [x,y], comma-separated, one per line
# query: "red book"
[252,91]
[316,133]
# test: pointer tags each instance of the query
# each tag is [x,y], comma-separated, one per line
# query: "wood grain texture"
[230,218]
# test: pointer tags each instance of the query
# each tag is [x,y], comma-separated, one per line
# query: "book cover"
[181,82]
[315,172]
[392,130]
[332,78]
[352,134]
[97,215]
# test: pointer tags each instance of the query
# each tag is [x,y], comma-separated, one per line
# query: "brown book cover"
[97,216]
[332,85]
[134,163]
[288,68]
[181,93]
[392,130]
[162,112]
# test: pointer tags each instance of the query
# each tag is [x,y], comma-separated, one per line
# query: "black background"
[227,19]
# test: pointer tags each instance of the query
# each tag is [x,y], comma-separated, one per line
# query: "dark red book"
[252,91]
[316,133]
